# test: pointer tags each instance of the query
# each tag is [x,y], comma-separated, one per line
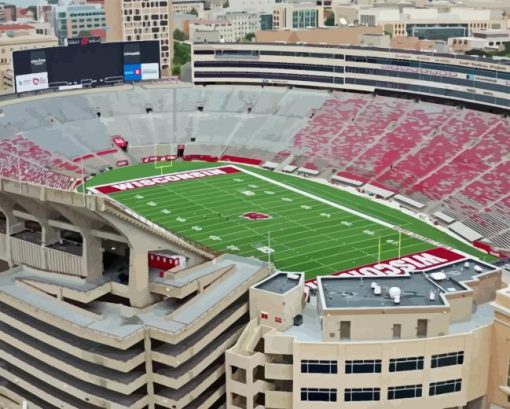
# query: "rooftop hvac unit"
[478,269]
[439,276]
[395,293]
[432,295]
[396,300]
[377,290]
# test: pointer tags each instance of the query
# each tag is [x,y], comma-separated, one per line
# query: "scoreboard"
[89,65]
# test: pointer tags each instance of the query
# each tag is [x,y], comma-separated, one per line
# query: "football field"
[246,213]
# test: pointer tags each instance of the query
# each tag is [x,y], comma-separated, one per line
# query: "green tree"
[194,11]
[330,21]
[182,55]
[33,9]
[84,33]
[179,35]
[482,53]
[249,37]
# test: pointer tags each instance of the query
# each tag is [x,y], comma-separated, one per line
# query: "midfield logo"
[256,216]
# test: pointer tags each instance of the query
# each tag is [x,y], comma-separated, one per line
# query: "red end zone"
[164,179]
[421,261]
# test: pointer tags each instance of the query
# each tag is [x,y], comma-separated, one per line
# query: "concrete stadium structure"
[86,323]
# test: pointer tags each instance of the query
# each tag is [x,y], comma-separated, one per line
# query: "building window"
[362,394]
[452,358]
[397,331]
[404,392]
[440,388]
[325,367]
[508,379]
[318,395]
[345,329]
[406,364]
[366,366]
[421,330]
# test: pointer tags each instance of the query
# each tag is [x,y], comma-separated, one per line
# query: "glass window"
[404,392]
[406,364]
[440,388]
[325,367]
[318,395]
[452,358]
[362,394]
[365,366]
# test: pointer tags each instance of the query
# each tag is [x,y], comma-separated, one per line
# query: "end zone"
[403,266]
[163,179]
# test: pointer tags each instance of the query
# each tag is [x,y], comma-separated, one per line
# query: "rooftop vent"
[439,276]
[395,293]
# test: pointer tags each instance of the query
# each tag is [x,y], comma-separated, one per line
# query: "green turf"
[305,234]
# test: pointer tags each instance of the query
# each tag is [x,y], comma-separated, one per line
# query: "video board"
[90,65]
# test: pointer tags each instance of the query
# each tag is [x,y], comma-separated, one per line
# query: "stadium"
[290,231]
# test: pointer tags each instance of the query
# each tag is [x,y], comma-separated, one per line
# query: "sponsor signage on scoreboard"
[133,72]
[32,82]
[150,71]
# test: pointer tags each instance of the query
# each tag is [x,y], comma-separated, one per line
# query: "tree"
[84,33]
[176,70]
[33,9]
[249,37]
[182,55]
[194,11]
[179,35]
[330,21]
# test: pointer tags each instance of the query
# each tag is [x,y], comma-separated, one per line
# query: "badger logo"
[255,216]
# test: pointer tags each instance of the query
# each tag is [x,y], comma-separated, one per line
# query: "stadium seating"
[15,167]
[450,159]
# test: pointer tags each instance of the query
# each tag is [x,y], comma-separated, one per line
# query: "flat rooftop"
[119,320]
[358,292]
[465,270]
[279,283]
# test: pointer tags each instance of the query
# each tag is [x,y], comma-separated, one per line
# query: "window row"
[375,365]
[273,65]
[374,394]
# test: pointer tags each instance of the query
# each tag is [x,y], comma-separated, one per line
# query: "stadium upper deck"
[483,81]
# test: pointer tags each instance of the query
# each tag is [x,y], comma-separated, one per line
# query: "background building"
[16,37]
[74,20]
[142,20]
[295,16]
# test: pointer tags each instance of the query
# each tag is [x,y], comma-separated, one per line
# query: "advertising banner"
[32,82]
[150,71]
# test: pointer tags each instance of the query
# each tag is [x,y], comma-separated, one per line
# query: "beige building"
[430,340]
[16,38]
[142,20]
[86,321]
[203,30]
[185,6]
[296,16]
[333,35]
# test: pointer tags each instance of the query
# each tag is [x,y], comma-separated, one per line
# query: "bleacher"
[447,158]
